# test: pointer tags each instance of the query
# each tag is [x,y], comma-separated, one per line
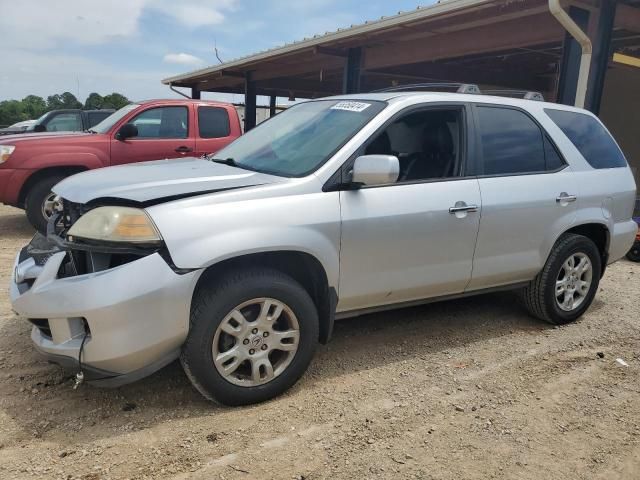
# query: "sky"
[129,46]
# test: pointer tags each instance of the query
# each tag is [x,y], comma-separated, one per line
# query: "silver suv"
[239,264]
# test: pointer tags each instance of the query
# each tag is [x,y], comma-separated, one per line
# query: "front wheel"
[40,202]
[252,336]
[567,284]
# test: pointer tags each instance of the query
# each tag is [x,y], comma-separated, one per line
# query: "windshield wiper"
[227,161]
[90,130]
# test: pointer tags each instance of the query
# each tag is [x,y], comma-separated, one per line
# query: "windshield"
[299,140]
[105,125]
[39,121]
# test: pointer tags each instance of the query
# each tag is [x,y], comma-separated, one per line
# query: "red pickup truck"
[31,164]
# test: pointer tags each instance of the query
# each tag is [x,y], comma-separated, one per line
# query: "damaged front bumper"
[135,316]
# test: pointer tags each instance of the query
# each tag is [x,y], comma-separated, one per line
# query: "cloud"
[49,23]
[182,59]
[194,13]
[83,22]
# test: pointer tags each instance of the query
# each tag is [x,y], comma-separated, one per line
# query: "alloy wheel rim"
[256,342]
[49,205]
[573,282]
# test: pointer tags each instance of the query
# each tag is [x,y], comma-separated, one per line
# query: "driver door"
[163,132]
[401,242]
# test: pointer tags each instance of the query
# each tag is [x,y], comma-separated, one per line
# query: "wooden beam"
[230,73]
[300,85]
[506,77]
[301,67]
[332,52]
[249,103]
[534,30]
[627,18]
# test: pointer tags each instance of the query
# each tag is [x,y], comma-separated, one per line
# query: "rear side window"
[213,122]
[590,138]
[512,143]
[96,117]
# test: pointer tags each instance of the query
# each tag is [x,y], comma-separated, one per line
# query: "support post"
[602,54]
[250,100]
[272,105]
[195,93]
[352,69]
[571,55]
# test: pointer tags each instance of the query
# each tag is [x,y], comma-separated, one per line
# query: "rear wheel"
[567,284]
[40,202]
[252,335]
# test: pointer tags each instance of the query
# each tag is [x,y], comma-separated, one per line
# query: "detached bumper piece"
[133,309]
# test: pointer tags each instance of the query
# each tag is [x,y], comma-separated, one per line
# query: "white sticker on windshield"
[351,106]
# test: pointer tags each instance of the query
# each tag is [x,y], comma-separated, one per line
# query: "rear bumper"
[135,316]
[623,235]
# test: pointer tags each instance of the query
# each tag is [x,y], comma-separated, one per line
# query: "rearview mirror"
[128,130]
[375,170]
[39,128]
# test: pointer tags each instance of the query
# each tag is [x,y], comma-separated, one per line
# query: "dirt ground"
[467,389]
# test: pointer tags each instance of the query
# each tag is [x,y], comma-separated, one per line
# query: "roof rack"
[537,96]
[463,88]
[459,87]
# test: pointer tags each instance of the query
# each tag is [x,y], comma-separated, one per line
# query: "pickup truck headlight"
[5,152]
[116,224]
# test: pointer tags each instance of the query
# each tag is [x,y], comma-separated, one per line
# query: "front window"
[162,122]
[105,125]
[65,122]
[299,140]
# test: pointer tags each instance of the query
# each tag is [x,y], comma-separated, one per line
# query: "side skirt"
[414,303]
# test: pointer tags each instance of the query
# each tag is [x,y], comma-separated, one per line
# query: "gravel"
[471,389]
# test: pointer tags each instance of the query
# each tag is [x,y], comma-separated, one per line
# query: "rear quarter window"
[590,138]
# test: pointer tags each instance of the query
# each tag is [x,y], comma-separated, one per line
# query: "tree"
[11,111]
[115,100]
[94,101]
[34,106]
[69,100]
[54,102]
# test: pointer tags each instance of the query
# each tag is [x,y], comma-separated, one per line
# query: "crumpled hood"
[156,180]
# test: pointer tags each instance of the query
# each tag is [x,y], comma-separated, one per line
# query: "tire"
[213,304]
[35,199]
[540,297]
[634,253]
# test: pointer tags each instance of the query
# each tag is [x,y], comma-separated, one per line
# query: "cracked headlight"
[5,152]
[116,224]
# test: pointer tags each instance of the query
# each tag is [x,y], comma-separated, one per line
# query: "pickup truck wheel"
[567,284]
[252,335]
[39,204]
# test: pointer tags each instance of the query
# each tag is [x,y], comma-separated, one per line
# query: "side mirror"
[39,128]
[375,170]
[128,130]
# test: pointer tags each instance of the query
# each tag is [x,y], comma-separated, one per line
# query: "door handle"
[463,207]
[565,197]
[184,149]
